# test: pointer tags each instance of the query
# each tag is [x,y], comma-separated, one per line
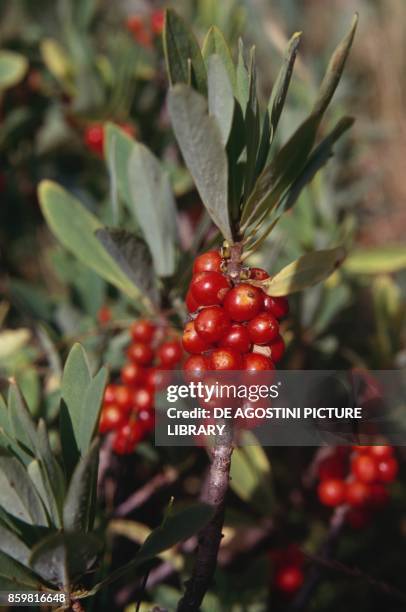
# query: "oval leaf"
[221,99]
[305,272]
[199,139]
[215,43]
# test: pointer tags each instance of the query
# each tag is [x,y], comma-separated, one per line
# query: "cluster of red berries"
[234,324]
[128,406]
[358,477]
[94,136]
[288,563]
[144,30]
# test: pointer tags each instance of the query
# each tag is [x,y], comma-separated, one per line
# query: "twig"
[137,499]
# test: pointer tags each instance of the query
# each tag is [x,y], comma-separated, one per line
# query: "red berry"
[243,302]
[289,579]
[191,303]
[94,138]
[357,493]
[237,338]
[331,492]
[142,331]
[140,33]
[132,373]
[212,323]
[387,469]
[255,362]
[147,419]
[224,359]
[278,306]
[364,468]
[169,354]
[104,315]
[143,398]
[258,274]
[331,467]
[381,452]
[209,288]
[140,353]
[127,437]
[192,342]
[124,399]
[263,328]
[111,418]
[157,21]
[195,366]
[156,379]
[110,394]
[207,262]
[277,348]
[378,496]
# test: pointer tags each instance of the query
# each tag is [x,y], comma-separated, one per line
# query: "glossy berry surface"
[111,418]
[258,274]
[365,468]
[331,492]
[207,262]
[140,353]
[255,362]
[169,354]
[278,306]
[191,341]
[289,579]
[211,324]
[132,374]
[263,328]
[209,288]
[277,348]
[142,331]
[237,338]
[224,359]
[243,302]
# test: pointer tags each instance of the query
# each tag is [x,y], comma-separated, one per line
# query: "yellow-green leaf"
[13,67]
[376,260]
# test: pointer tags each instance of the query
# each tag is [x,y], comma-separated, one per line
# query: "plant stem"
[215,496]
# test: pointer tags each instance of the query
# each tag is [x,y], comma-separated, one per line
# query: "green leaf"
[200,141]
[153,205]
[182,48]
[281,85]
[21,423]
[243,86]
[16,577]
[118,148]
[79,499]
[176,528]
[60,558]
[12,546]
[134,258]
[376,260]
[75,228]
[42,485]
[252,127]
[18,496]
[250,475]
[13,67]
[52,475]
[93,400]
[220,97]
[215,44]
[305,272]
[334,71]
[75,383]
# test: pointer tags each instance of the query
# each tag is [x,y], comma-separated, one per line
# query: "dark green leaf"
[78,502]
[21,422]
[52,475]
[153,205]
[75,382]
[90,415]
[12,546]
[281,85]
[118,149]
[242,78]
[18,495]
[199,139]
[221,99]
[334,71]
[180,45]
[134,258]
[215,43]
[16,577]
[252,128]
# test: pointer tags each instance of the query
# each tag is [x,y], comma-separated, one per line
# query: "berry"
[143,398]
[331,467]
[191,303]
[243,302]
[156,379]
[263,328]
[364,467]
[380,452]
[140,353]
[357,493]
[136,26]
[142,331]
[277,348]
[110,395]
[237,338]
[331,492]
[278,306]
[157,21]
[289,579]
[378,496]
[94,138]
[104,315]
[256,362]
[169,354]
[127,436]
[211,324]
[132,374]
[224,359]
[111,418]
[147,419]
[207,262]
[387,470]
[124,399]
[195,366]
[191,341]
[258,274]
[209,288]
